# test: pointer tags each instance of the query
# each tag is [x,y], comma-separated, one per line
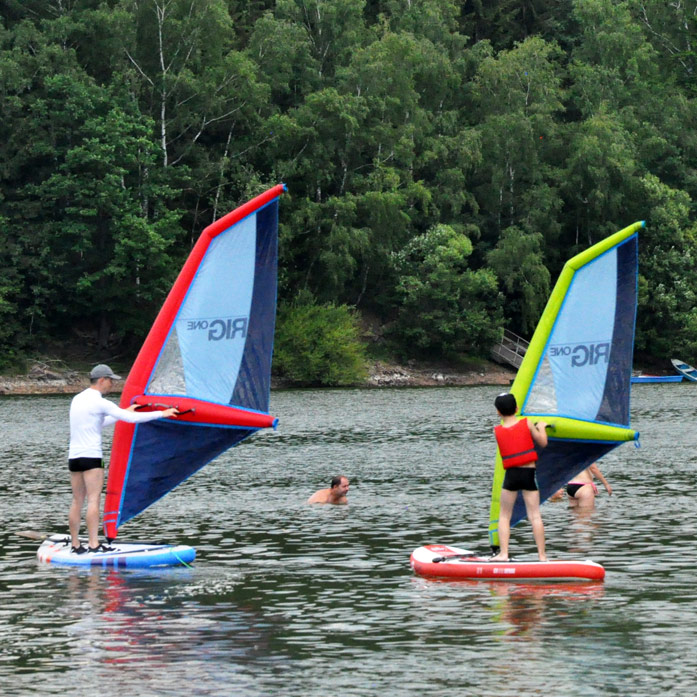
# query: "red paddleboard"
[442,561]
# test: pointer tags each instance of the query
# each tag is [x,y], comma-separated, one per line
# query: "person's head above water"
[340,484]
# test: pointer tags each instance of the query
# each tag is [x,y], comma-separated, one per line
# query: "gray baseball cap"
[103,371]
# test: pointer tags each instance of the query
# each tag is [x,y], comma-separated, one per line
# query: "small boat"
[683,368]
[657,378]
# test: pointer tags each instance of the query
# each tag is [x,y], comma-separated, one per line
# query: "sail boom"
[575,429]
[200,412]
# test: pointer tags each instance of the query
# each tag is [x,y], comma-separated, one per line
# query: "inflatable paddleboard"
[132,555]
[443,561]
[684,369]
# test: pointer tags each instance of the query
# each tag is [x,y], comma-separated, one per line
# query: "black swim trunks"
[518,478]
[82,464]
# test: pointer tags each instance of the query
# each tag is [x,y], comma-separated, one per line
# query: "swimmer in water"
[335,494]
[582,490]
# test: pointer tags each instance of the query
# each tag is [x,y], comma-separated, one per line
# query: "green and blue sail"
[576,372]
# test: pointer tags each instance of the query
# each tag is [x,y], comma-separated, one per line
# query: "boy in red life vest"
[516,439]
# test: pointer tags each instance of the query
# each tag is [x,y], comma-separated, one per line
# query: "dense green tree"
[667,316]
[445,307]
[519,96]
[318,344]
[517,261]
[87,226]
[431,148]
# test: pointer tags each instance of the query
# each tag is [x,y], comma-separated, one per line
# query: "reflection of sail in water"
[576,372]
[121,620]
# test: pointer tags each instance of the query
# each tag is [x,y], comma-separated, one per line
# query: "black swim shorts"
[82,464]
[517,478]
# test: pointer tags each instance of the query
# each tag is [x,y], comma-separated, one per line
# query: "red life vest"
[516,444]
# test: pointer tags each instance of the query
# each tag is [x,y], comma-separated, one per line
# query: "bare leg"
[77,483]
[94,479]
[532,507]
[506,510]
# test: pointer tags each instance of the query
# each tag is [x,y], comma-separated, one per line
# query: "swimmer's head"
[505,404]
[340,484]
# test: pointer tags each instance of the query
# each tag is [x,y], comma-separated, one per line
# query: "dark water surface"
[289,599]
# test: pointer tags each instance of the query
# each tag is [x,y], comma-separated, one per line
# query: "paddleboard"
[443,561]
[684,369]
[131,555]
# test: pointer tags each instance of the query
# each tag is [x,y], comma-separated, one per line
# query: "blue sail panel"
[221,343]
[586,365]
[254,375]
[167,453]
[557,465]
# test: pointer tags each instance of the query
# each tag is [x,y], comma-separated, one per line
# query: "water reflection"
[523,607]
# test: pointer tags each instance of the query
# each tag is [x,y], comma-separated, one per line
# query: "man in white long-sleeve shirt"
[89,414]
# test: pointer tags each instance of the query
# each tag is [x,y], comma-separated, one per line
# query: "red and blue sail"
[208,354]
[576,372]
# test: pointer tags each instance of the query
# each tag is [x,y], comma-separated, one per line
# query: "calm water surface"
[289,599]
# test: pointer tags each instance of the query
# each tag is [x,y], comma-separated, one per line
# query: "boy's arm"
[538,432]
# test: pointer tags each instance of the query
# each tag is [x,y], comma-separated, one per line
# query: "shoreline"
[40,381]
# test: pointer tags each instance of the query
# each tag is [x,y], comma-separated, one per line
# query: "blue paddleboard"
[131,555]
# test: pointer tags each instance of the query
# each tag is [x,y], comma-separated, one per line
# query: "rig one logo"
[583,354]
[220,328]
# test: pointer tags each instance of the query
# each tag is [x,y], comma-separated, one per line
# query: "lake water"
[290,599]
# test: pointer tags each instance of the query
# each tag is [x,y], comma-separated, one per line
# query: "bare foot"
[543,558]
[499,557]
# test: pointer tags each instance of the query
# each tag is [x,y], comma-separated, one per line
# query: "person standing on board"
[582,489]
[516,440]
[89,414]
[335,494]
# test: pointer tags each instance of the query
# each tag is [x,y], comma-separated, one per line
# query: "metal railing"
[511,349]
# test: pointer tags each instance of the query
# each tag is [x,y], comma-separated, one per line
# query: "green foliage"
[444,306]
[431,148]
[667,317]
[517,262]
[318,344]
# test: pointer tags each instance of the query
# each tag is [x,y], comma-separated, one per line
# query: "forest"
[443,159]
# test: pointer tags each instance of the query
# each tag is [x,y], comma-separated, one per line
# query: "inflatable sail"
[209,355]
[576,372]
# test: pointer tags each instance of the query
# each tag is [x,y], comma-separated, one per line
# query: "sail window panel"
[579,347]
[168,378]
[212,324]
[543,396]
